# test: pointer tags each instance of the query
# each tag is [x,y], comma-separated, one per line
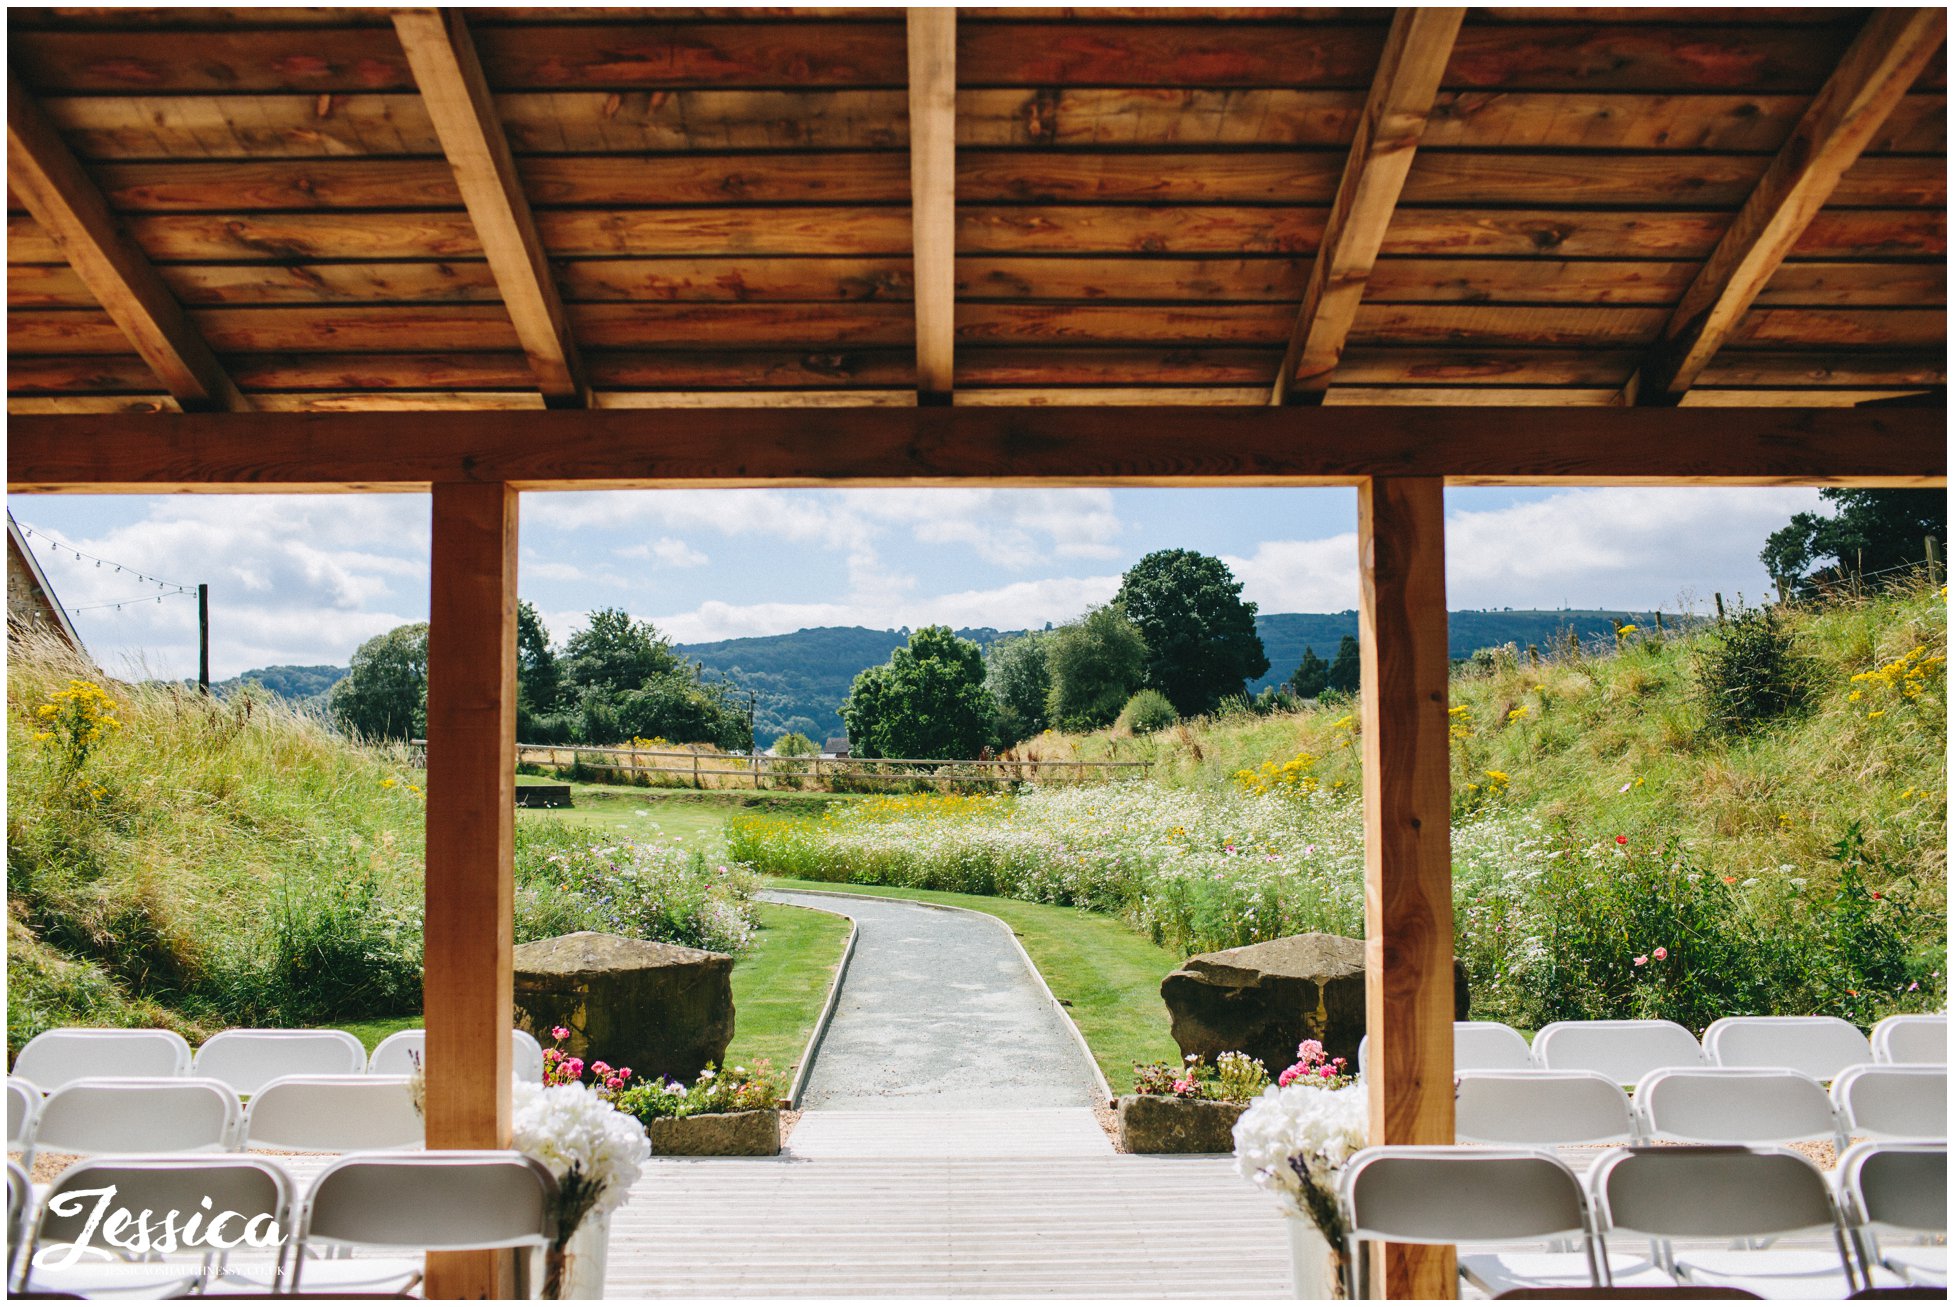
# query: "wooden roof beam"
[455,91]
[70,208]
[1891,51]
[933,196]
[1387,137]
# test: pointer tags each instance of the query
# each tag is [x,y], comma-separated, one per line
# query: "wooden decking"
[831,1226]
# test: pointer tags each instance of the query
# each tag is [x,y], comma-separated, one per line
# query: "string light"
[166,589]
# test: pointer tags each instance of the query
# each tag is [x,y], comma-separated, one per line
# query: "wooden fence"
[705,771]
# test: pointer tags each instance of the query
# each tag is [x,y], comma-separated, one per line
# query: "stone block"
[661,1009]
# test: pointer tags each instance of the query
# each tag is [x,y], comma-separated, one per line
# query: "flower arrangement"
[736,1089]
[1235,1078]
[559,1068]
[1294,1140]
[1314,1067]
[595,1152]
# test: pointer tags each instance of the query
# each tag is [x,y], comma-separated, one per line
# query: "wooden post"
[1407,840]
[1933,561]
[470,929]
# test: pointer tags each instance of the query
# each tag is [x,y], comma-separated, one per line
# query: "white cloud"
[669,550]
[1300,576]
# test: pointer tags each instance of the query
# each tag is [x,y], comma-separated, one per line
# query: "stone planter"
[1153,1123]
[717,1134]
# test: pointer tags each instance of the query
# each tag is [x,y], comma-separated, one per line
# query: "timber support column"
[1407,841]
[470,928]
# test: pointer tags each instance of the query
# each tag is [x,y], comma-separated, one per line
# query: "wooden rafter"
[1262,445]
[50,181]
[933,195]
[1387,137]
[456,93]
[1891,51]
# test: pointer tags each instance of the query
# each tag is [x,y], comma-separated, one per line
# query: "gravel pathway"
[939,1013]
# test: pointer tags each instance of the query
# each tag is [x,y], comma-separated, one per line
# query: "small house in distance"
[836,747]
[31,605]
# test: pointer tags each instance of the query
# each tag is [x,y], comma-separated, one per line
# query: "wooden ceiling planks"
[722,200]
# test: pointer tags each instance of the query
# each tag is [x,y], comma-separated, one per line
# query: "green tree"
[1311,677]
[1347,671]
[795,745]
[614,654]
[675,705]
[1200,632]
[384,696]
[927,701]
[1870,532]
[1096,664]
[1021,682]
[538,677]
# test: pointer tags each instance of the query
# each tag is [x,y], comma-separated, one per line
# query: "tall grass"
[204,863]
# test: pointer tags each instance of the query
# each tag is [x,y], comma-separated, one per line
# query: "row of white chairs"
[1626,1051]
[1711,1105]
[186,1114]
[246,1060]
[1462,1195]
[396,1205]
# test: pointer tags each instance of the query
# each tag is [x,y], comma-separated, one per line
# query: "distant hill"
[299,684]
[799,680]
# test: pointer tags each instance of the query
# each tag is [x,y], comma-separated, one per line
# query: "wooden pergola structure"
[481,252]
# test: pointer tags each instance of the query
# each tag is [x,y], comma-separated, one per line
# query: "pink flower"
[1309,1050]
[1621,839]
[625,1072]
[599,1069]
[561,1032]
[573,1067]
[1661,954]
[1288,1077]
[1640,961]
[1915,985]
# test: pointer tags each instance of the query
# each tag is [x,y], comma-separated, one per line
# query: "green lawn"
[778,988]
[781,983]
[1108,976]
[697,818]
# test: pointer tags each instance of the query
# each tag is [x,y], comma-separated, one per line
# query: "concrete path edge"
[813,1048]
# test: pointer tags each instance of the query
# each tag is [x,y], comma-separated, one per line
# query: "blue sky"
[305,579]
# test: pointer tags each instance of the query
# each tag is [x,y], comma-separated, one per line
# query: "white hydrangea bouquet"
[1293,1141]
[595,1152]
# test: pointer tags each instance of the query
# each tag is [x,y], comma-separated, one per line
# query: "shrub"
[737,1089]
[795,745]
[1146,712]
[1751,673]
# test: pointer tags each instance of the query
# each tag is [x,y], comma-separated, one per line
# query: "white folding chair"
[396,1053]
[23,1105]
[1821,1047]
[1489,1046]
[1911,1038]
[1733,1105]
[1898,1189]
[416,1202]
[91,1117]
[1902,1101]
[334,1114]
[1624,1051]
[54,1057]
[1469,1195]
[1542,1108]
[1726,1192]
[248,1060]
[255,1190]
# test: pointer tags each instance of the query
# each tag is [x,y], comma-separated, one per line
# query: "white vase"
[586,1254]
[1318,1270]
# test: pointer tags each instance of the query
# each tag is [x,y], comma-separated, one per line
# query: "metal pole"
[203,637]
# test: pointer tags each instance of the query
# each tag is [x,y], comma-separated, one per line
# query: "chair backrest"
[20,1200]
[1542,1108]
[163,1115]
[1892,1102]
[248,1060]
[258,1190]
[1897,1186]
[334,1114]
[1820,1047]
[1733,1105]
[1718,1192]
[1911,1038]
[23,1104]
[1489,1046]
[396,1053]
[1460,1195]
[1624,1051]
[54,1057]
[436,1200]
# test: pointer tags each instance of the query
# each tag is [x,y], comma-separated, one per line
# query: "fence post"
[1933,561]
